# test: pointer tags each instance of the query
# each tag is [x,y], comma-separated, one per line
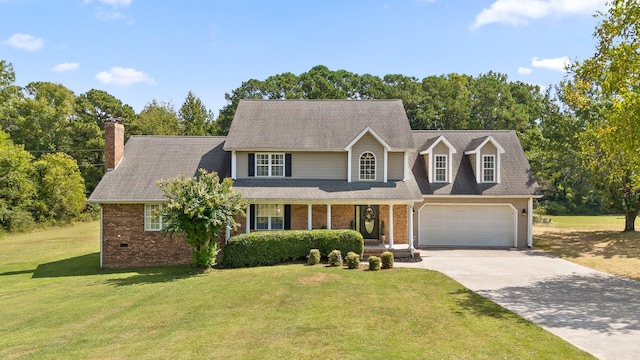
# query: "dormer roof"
[368,130]
[433,142]
[516,178]
[477,144]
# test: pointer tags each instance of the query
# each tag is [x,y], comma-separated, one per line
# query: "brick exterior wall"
[400,226]
[124,224]
[113,144]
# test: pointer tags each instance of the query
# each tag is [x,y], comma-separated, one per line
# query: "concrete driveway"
[597,312]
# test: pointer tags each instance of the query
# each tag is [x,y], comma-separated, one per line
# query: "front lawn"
[56,303]
[594,241]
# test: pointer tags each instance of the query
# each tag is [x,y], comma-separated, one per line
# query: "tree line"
[581,136]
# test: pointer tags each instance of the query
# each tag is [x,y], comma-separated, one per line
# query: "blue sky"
[139,50]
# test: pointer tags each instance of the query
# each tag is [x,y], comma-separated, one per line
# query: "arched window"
[367,166]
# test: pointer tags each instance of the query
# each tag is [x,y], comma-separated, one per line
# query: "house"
[335,164]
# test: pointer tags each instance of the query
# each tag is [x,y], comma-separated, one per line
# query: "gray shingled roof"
[334,190]
[316,124]
[148,159]
[516,177]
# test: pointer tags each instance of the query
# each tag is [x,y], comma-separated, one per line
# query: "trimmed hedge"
[262,248]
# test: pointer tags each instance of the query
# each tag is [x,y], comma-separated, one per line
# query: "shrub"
[314,257]
[353,260]
[335,258]
[387,260]
[374,263]
[272,247]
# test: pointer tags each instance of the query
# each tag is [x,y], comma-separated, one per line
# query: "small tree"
[198,208]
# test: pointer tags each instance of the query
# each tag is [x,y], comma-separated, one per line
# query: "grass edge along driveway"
[56,303]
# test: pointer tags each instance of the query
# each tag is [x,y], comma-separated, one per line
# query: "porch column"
[227,233]
[390,232]
[328,216]
[247,224]
[309,212]
[410,230]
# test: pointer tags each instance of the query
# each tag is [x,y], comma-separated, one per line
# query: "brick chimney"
[113,144]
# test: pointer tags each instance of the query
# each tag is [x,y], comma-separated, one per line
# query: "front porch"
[375,222]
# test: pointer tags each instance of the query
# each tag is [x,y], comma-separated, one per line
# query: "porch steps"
[398,254]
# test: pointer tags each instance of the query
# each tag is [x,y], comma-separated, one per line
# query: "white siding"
[305,165]
[319,165]
[396,165]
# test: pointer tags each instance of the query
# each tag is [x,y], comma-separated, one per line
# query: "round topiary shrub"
[387,260]
[313,257]
[335,258]
[374,263]
[353,260]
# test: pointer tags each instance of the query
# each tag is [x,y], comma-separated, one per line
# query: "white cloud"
[123,76]
[114,3]
[103,15]
[519,12]
[524,71]
[24,42]
[558,64]
[65,67]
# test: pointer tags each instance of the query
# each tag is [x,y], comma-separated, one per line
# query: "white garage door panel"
[467,225]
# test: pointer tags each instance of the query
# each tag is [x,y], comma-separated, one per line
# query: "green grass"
[56,303]
[593,241]
[600,222]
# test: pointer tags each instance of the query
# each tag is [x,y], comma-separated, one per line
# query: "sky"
[141,50]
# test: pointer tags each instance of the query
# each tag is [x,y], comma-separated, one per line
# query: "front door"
[368,221]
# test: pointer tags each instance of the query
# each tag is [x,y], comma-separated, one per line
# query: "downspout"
[530,223]
[101,236]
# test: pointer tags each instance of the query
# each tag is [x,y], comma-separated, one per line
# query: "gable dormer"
[484,154]
[367,157]
[438,160]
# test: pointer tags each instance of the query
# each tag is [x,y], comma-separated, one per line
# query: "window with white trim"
[268,164]
[367,166]
[152,221]
[269,217]
[488,168]
[440,168]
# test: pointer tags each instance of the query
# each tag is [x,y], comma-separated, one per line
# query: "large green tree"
[44,116]
[60,187]
[155,119]
[17,189]
[198,209]
[9,94]
[91,110]
[605,91]
[195,119]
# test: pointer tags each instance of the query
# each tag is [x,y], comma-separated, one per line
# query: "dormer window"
[484,154]
[488,168]
[367,166]
[441,168]
[437,158]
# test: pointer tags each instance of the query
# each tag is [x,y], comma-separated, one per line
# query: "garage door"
[467,225]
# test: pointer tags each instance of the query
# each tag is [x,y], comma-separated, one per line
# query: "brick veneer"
[124,224]
[400,227]
[341,216]
[113,144]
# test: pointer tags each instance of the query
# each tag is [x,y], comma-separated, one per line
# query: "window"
[152,222]
[488,168]
[269,164]
[367,166]
[441,168]
[269,217]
